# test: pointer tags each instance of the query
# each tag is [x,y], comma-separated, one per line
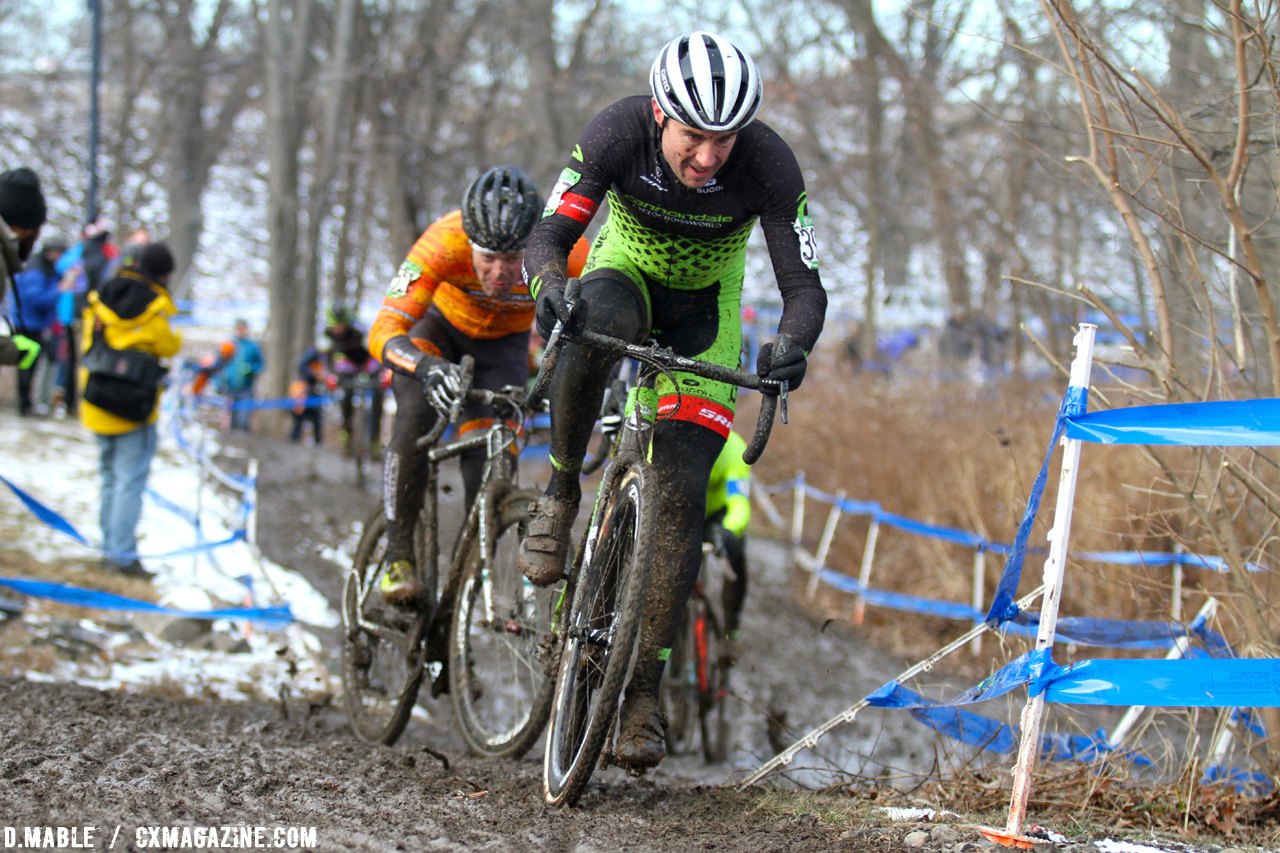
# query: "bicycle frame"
[477,630]
[480,523]
[499,471]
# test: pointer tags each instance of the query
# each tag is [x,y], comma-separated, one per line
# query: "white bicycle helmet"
[705,81]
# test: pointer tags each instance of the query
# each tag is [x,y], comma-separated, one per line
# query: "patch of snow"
[56,463]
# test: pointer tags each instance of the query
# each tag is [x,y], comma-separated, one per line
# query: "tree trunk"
[288,68]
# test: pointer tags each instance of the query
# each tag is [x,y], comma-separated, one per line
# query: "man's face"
[693,154]
[498,272]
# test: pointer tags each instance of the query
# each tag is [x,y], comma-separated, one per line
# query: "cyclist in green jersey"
[687,173]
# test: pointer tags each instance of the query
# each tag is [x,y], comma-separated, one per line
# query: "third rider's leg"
[403,482]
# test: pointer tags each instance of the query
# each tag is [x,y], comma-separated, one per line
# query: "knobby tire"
[679,693]
[713,684]
[599,635]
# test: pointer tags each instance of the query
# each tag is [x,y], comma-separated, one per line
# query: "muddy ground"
[115,763]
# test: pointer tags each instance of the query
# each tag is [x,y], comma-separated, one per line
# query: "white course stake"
[1059,536]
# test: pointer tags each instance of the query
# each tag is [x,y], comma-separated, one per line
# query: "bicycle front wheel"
[382,646]
[500,689]
[599,635]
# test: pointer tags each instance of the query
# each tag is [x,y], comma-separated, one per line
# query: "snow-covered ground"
[189,504]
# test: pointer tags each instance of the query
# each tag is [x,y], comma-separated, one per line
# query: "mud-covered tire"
[713,695]
[679,691]
[599,635]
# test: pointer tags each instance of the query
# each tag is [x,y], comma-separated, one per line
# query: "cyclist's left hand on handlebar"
[442,381]
[785,365]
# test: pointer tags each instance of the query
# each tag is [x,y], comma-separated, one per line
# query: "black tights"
[405,467]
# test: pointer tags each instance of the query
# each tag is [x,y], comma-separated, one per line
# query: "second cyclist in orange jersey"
[459,292]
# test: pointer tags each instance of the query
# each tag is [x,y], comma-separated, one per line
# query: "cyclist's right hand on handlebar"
[781,361]
[551,307]
[441,380]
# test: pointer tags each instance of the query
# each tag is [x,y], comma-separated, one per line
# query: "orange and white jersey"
[439,271]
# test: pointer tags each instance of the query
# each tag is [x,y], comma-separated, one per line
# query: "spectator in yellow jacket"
[127,319]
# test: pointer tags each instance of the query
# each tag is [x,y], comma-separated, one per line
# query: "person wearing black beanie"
[156,261]
[22,213]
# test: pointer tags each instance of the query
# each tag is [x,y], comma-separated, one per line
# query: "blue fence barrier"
[1189,678]
[267,617]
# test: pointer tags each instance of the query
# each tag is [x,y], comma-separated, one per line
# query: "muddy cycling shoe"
[544,549]
[642,737]
[400,586]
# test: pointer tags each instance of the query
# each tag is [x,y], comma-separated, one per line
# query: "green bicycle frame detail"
[642,414]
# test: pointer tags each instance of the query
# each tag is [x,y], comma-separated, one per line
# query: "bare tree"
[202,87]
[1142,151]
[289,62]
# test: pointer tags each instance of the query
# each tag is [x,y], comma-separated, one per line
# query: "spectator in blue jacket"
[33,313]
[238,373]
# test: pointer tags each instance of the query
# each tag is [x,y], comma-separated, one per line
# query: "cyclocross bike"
[695,683]
[480,629]
[608,580]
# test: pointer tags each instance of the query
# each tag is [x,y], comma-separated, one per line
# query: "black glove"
[551,307]
[441,381]
[788,365]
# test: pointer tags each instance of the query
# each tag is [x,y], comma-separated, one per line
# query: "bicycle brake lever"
[782,399]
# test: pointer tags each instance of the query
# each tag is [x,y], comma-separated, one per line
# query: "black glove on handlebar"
[441,380]
[551,307]
[788,364]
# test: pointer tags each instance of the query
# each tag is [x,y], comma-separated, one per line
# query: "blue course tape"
[899,601]
[1218,423]
[269,617]
[57,522]
[1003,608]
[1188,682]
[45,514]
[992,735]
[1251,783]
